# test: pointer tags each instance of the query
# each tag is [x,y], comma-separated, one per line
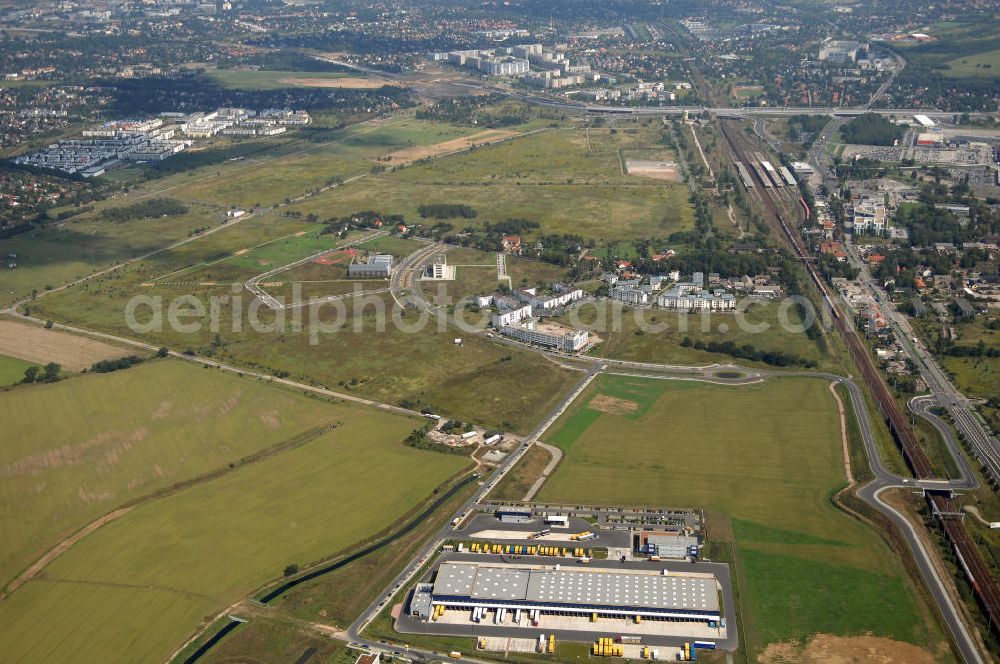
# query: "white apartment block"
[548,335]
[507,318]
[869,217]
[629,295]
[547,302]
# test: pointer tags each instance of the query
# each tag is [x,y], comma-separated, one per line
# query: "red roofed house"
[834,249]
[622,264]
[512,244]
[875,259]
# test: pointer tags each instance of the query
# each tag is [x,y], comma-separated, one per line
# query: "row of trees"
[150,209]
[446,211]
[747,352]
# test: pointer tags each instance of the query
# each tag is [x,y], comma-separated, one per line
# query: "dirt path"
[977,515]
[63,546]
[59,548]
[556,458]
[843,434]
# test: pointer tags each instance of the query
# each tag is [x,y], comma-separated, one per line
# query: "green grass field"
[980,64]
[55,254]
[303,166]
[143,584]
[646,335]
[72,452]
[11,370]
[556,177]
[767,457]
[413,361]
[242,79]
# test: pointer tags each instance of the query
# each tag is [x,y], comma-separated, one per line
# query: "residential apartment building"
[549,335]
[869,217]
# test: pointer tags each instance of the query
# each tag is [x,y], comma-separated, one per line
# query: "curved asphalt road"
[871,493]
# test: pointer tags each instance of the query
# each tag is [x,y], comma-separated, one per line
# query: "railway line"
[971,561]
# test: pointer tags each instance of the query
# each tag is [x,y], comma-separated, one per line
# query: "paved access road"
[721,572]
[871,493]
[982,442]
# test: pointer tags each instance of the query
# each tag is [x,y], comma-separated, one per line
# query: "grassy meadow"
[11,370]
[144,583]
[569,179]
[72,452]
[803,566]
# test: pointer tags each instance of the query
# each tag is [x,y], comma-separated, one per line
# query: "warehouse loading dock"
[488,596]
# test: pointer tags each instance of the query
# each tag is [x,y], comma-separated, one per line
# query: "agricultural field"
[73,452]
[35,344]
[570,180]
[11,370]
[767,487]
[145,582]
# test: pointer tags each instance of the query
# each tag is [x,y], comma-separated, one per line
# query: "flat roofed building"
[378,266]
[605,591]
[549,335]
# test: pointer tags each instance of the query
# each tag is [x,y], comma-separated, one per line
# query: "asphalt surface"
[982,442]
[871,493]
[721,571]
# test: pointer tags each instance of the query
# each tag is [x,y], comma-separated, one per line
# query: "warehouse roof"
[592,587]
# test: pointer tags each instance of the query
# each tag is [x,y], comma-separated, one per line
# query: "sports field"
[765,459]
[138,587]
[73,450]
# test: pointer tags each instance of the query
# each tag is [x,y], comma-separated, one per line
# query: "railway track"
[968,555]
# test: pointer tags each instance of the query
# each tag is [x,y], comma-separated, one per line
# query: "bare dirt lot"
[658,170]
[346,82]
[827,649]
[423,151]
[36,344]
[612,405]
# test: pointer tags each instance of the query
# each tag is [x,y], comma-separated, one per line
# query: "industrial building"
[668,545]
[842,52]
[378,266]
[592,592]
